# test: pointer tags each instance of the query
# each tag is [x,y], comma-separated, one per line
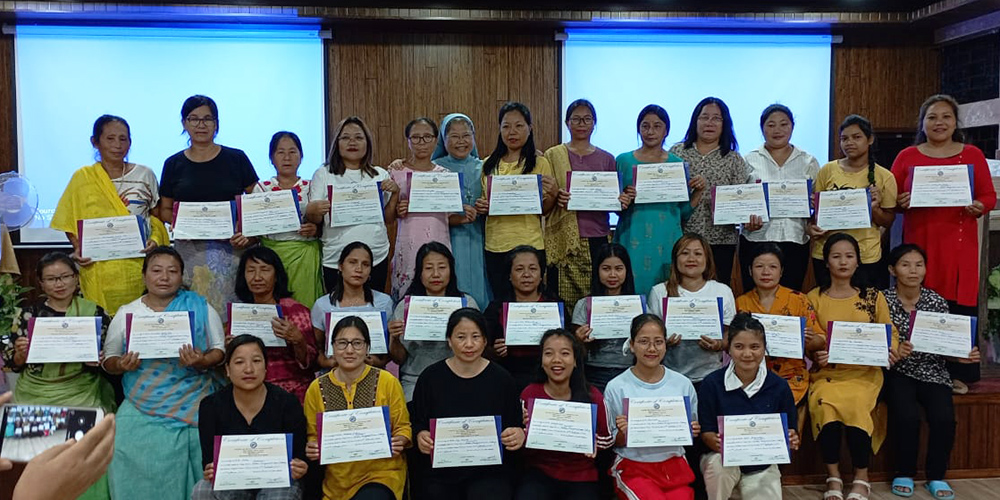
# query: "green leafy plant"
[11,296]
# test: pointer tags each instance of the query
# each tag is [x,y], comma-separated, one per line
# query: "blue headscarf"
[471,167]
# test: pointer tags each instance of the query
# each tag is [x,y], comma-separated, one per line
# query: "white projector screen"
[623,71]
[263,78]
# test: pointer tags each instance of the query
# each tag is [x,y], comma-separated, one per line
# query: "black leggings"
[859,443]
[378,277]
[374,491]
[905,397]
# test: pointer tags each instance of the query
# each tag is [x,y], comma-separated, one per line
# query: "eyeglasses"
[357,344]
[194,120]
[710,119]
[65,278]
[644,343]
[421,139]
[584,120]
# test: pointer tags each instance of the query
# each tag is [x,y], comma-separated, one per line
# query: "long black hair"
[578,386]
[417,287]
[727,139]
[866,128]
[605,252]
[267,256]
[337,294]
[527,151]
[335,162]
[241,340]
[956,136]
[858,280]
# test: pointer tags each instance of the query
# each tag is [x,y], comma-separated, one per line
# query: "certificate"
[941,186]
[353,203]
[859,343]
[655,422]
[785,335]
[378,329]
[268,213]
[211,220]
[251,462]
[426,318]
[466,441]
[158,335]
[515,194]
[611,317]
[354,435]
[692,317]
[66,340]
[788,199]
[110,238]
[754,439]
[593,191]
[736,203]
[661,182]
[524,323]
[944,334]
[435,192]
[844,209]
[255,319]
[561,426]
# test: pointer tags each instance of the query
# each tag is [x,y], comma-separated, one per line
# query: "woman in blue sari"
[157,450]
[456,151]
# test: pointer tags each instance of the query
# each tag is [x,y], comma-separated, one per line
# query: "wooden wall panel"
[8,119]
[390,78]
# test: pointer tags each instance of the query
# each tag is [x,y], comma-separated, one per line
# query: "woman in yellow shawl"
[112,187]
[572,238]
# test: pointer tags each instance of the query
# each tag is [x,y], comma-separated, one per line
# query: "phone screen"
[28,430]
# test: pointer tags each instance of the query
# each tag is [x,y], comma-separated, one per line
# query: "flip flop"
[902,482]
[935,487]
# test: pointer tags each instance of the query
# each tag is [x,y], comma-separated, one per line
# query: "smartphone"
[27,430]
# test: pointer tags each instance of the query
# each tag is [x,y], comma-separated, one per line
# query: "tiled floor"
[965,489]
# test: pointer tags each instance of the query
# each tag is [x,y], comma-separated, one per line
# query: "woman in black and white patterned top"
[919,380]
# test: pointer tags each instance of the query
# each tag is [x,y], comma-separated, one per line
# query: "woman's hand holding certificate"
[250,462]
[64,340]
[943,334]
[941,186]
[859,343]
[111,238]
[736,203]
[426,318]
[158,335]
[378,329]
[268,213]
[693,317]
[754,439]
[561,426]
[655,422]
[354,435]
[525,322]
[844,209]
[515,194]
[212,220]
[465,441]
[593,191]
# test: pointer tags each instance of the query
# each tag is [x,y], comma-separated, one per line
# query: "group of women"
[170,410]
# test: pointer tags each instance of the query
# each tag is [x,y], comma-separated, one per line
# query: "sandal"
[902,482]
[859,496]
[834,494]
[937,487]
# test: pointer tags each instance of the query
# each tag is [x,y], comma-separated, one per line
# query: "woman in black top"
[467,385]
[250,406]
[204,172]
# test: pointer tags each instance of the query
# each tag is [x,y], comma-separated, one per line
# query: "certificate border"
[461,195]
[784,423]
[139,220]
[569,178]
[868,195]
[973,325]
[31,333]
[406,315]
[530,404]
[432,429]
[489,193]
[767,206]
[687,179]
[503,317]
[722,320]
[809,193]
[217,441]
[687,411]
[239,206]
[128,328]
[232,215]
[381,203]
[888,337]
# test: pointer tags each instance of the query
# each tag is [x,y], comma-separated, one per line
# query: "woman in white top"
[691,275]
[350,162]
[775,161]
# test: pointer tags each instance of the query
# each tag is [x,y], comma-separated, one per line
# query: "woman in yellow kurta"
[769,297]
[353,384]
[843,399]
[112,187]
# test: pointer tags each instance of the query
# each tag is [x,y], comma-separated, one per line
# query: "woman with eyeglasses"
[59,384]
[650,472]
[299,250]
[415,229]
[355,384]
[111,187]
[206,172]
[572,238]
[710,147]
[350,162]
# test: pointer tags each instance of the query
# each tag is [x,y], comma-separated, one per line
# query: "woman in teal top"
[649,231]
[456,151]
